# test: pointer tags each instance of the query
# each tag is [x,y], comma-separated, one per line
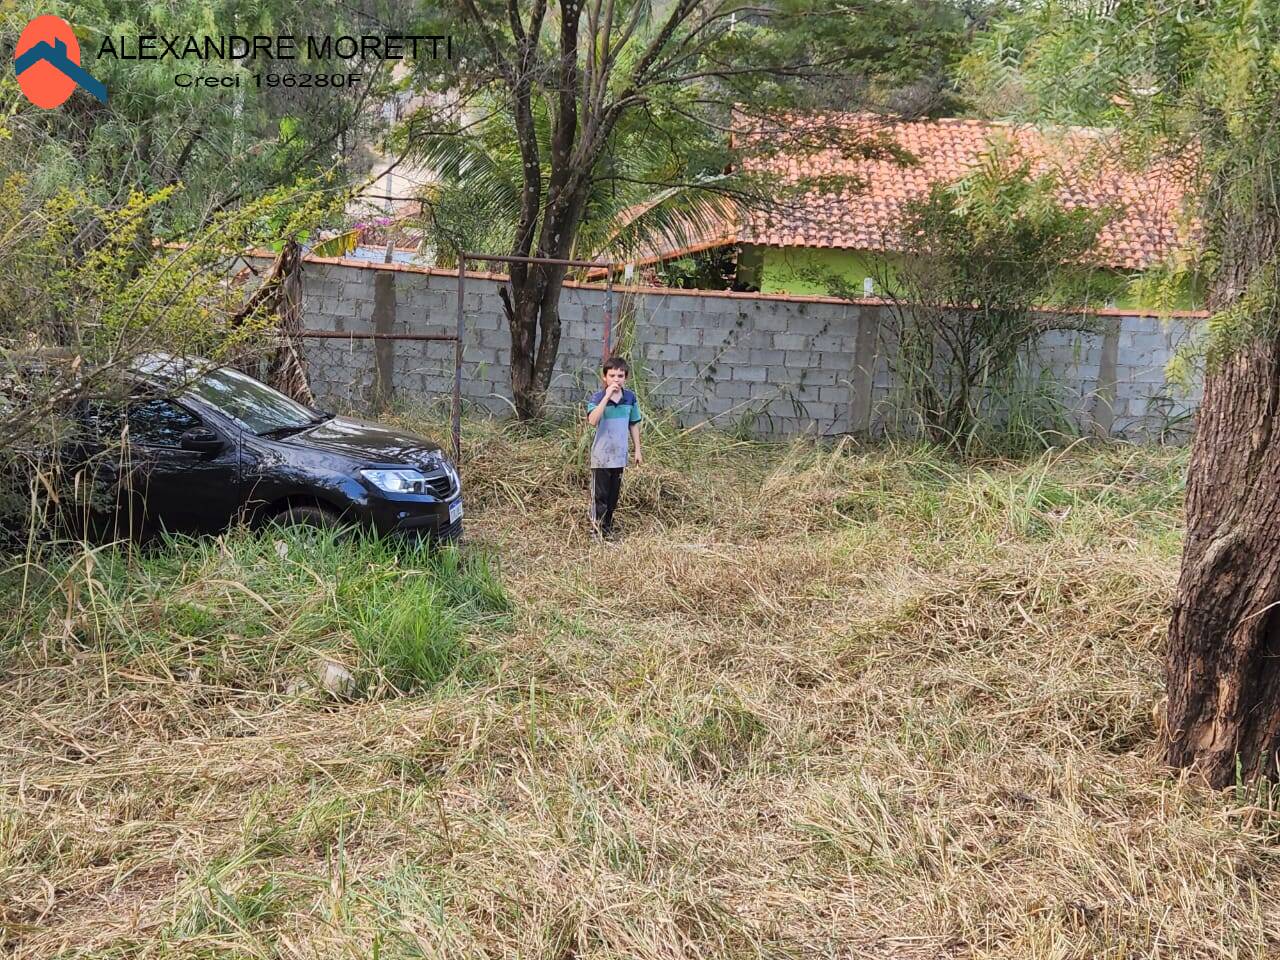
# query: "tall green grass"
[267,611]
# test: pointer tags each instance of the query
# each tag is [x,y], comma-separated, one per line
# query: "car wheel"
[308,515]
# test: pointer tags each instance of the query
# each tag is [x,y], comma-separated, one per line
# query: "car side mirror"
[202,440]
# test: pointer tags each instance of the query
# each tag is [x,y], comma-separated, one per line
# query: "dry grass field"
[817,702]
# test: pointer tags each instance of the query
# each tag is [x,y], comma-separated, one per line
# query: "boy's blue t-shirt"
[613,433]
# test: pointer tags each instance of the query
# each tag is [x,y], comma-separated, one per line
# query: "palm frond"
[672,218]
[648,194]
[337,246]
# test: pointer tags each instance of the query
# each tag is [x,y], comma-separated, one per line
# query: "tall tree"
[578,82]
[1197,82]
[227,145]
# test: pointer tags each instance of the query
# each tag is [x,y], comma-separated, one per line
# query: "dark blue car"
[192,447]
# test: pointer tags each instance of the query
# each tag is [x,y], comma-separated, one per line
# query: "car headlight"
[396,481]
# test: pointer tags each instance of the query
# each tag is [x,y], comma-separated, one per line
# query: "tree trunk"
[549,333]
[533,314]
[1223,666]
[522,309]
[281,293]
[287,369]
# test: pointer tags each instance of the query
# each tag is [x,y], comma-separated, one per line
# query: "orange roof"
[864,211]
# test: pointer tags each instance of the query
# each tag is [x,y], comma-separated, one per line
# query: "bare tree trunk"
[1222,670]
[522,310]
[288,368]
[549,334]
[533,314]
[1223,666]
[281,293]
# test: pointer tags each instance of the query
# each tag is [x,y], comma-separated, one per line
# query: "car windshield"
[251,403]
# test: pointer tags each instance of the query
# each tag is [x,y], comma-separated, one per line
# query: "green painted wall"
[807,271]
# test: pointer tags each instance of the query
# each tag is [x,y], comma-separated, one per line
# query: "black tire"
[308,515]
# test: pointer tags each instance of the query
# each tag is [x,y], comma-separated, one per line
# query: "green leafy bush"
[979,256]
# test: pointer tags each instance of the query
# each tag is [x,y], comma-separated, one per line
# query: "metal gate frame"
[464,257]
[457,365]
[458,337]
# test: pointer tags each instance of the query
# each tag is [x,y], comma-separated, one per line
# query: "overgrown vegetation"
[262,613]
[86,297]
[978,257]
[234,145]
[108,252]
[842,697]
[1195,85]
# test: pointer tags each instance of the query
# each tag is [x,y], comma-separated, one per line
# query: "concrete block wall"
[1145,403]
[782,365]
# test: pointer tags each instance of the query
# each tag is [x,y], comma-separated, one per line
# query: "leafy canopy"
[1194,84]
[661,170]
[230,144]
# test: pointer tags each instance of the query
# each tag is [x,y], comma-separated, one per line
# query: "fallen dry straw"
[816,702]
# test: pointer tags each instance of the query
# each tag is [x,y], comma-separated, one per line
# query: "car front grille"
[441,487]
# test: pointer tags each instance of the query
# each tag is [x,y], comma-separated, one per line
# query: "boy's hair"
[615,363]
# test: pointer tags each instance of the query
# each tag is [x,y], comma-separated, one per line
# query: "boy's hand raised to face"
[613,393]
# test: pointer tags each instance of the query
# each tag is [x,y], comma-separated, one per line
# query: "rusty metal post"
[608,316]
[457,361]
[552,261]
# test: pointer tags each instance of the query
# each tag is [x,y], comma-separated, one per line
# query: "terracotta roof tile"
[1147,225]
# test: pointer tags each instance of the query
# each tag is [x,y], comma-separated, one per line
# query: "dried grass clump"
[817,701]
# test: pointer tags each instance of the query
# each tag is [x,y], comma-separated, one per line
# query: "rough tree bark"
[1223,665]
[1222,671]
[281,293]
[533,315]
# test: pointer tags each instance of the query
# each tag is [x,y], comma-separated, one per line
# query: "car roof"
[169,368]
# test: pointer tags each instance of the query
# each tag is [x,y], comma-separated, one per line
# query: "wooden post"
[457,360]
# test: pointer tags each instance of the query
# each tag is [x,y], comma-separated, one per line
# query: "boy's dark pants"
[606,485]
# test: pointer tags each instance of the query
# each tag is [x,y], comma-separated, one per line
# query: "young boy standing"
[614,413]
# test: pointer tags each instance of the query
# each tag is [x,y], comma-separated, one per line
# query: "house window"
[868,286]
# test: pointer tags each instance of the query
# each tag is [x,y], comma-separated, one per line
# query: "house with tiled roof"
[842,199]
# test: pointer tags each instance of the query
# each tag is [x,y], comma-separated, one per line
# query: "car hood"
[370,442]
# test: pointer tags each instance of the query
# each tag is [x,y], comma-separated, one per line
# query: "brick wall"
[783,364]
